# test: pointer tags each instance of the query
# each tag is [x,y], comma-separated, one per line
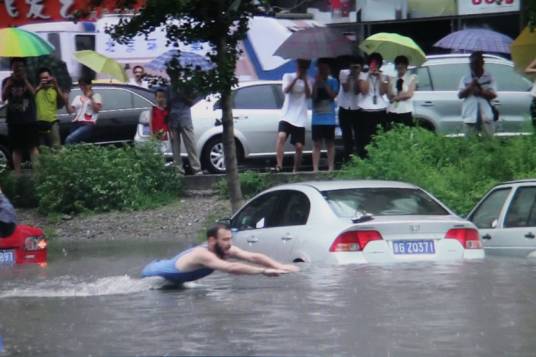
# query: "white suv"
[438,108]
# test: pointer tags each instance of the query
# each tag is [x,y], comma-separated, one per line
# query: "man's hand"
[290,268]
[273,272]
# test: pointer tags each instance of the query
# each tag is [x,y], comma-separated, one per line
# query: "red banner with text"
[22,12]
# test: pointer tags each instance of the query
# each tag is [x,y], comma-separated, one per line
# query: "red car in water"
[26,244]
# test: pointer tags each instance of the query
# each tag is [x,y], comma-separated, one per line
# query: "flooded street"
[91,302]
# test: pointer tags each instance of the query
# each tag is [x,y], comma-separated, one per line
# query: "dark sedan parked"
[117,122]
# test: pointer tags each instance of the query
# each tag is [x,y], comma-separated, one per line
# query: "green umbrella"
[101,64]
[58,69]
[391,45]
[15,42]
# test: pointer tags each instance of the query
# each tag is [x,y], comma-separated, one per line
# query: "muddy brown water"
[91,302]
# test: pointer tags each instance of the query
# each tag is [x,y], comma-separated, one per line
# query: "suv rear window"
[382,201]
[446,77]
[507,79]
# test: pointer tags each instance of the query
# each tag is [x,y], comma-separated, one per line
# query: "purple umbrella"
[476,40]
[315,42]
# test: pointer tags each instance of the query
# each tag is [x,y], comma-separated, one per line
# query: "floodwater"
[90,302]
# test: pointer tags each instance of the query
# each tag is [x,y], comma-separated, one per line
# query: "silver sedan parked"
[353,222]
[256,112]
[506,218]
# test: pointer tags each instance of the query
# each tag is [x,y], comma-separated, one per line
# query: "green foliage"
[20,190]
[251,183]
[456,170]
[93,178]
[206,21]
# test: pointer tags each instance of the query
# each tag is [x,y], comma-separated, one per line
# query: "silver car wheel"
[217,158]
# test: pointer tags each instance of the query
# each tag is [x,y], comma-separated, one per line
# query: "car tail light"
[354,241]
[468,237]
[35,243]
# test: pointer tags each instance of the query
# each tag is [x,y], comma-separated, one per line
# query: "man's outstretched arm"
[213,262]
[261,259]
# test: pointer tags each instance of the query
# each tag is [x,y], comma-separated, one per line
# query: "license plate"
[7,257]
[413,247]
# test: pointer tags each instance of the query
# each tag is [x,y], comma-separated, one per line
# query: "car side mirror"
[226,221]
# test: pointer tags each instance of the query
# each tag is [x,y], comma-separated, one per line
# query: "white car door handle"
[286,238]
[427,103]
[530,235]
[252,240]
[486,236]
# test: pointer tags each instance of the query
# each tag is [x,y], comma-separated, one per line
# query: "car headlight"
[35,243]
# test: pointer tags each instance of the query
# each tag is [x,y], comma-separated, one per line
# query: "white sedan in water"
[353,222]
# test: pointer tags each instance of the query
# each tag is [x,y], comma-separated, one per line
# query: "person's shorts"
[296,133]
[23,136]
[326,132]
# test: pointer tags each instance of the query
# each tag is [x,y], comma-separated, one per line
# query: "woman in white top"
[373,87]
[401,88]
[348,101]
[531,69]
[85,106]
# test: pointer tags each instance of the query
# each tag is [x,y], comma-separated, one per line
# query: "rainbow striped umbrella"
[15,42]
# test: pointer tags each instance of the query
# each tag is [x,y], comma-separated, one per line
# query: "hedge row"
[95,178]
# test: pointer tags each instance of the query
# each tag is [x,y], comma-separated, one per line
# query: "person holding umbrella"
[373,86]
[400,93]
[323,122]
[297,89]
[20,114]
[477,89]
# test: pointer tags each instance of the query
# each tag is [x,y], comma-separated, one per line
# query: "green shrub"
[94,178]
[19,189]
[456,170]
[251,183]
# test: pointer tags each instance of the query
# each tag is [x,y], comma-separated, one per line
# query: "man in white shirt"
[297,90]
[139,77]
[477,89]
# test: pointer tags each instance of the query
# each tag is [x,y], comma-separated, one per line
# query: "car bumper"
[381,252]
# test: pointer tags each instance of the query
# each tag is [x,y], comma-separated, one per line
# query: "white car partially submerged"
[345,222]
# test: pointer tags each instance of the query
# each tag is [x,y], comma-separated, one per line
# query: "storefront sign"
[470,7]
[22,12]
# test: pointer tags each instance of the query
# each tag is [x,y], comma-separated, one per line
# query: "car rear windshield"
[382,202]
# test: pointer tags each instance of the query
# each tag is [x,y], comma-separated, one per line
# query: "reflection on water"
[92,302]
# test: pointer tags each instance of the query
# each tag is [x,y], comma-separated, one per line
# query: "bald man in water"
[200,261]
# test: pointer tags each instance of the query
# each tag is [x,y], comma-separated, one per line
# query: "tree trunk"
[229,146]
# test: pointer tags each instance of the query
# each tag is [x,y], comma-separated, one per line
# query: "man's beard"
[219,251]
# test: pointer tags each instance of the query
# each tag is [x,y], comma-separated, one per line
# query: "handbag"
[494,110]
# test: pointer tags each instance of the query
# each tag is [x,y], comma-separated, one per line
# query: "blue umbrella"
[476,40]
[188,60]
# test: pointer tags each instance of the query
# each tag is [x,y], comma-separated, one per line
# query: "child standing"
[159,113]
